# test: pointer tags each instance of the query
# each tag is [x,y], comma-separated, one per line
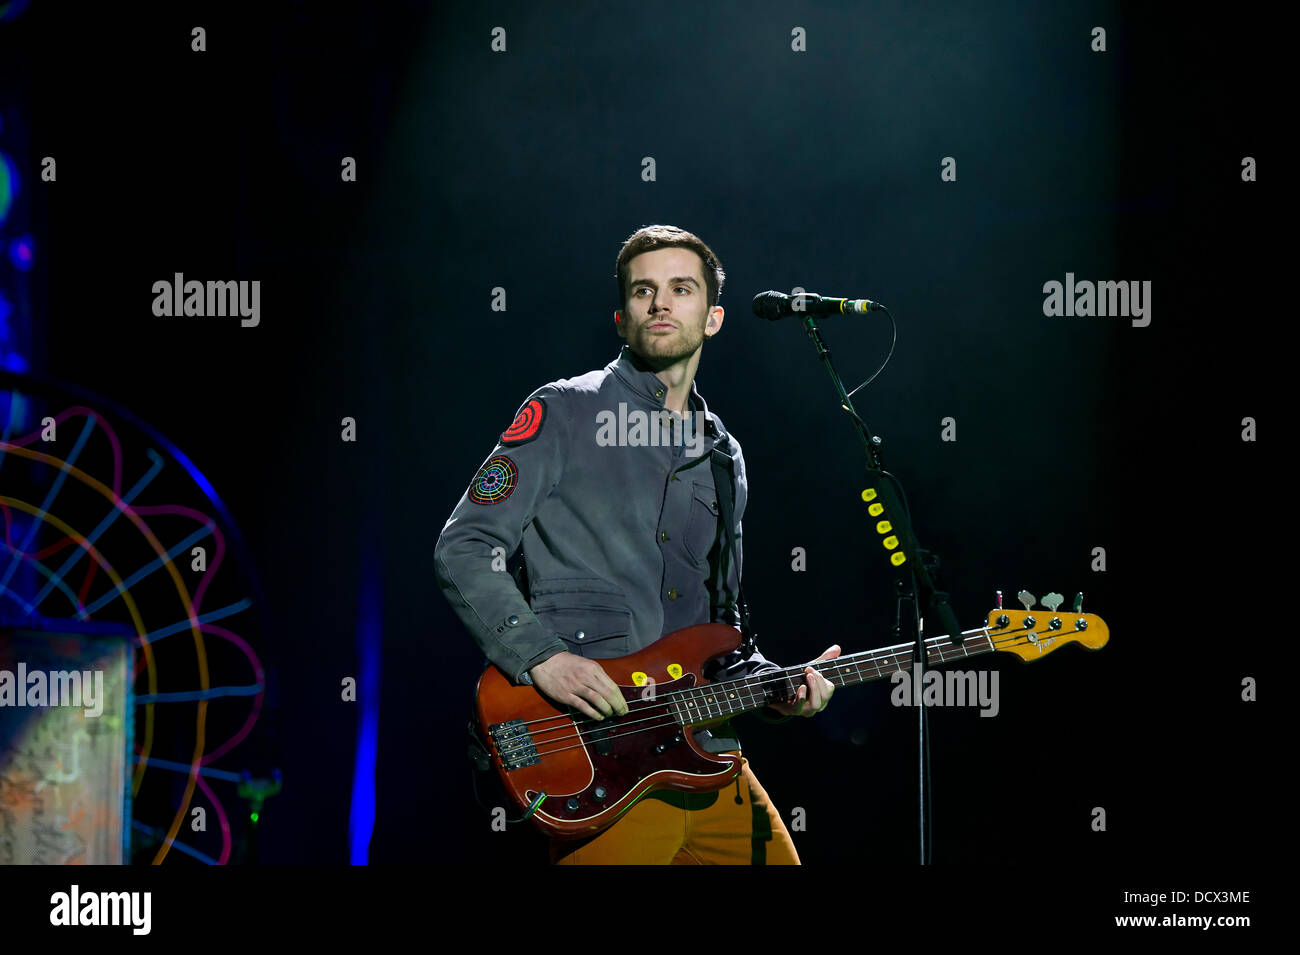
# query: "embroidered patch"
[526,424]
[494,482]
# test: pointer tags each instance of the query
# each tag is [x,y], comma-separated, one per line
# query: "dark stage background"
[523,170]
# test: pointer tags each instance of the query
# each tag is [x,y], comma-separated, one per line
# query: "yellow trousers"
[734,826]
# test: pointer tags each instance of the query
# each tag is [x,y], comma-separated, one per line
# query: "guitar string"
[584,737]
[682,697]
[853,661]
[865,658]
[581,735]
[674,697]
[672,721]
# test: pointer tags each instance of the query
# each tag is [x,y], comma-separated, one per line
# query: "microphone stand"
[912,578]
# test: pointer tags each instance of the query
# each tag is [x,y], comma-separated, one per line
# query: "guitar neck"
[714,700]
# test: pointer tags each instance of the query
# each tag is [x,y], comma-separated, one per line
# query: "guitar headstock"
[1031,634]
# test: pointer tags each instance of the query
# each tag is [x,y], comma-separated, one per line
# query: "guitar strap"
[724,487]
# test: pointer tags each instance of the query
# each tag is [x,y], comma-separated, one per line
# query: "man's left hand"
[814,694]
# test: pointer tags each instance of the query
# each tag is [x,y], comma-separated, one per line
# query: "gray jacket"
[618,521]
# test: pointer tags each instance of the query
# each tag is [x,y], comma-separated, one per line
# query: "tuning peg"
[1078,602]
[997,599]
[1053,600]
[1026,599]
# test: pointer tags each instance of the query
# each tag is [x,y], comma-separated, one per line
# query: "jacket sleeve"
[486,527]
[726,591]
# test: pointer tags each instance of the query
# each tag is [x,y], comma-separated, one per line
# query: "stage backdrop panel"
[64,797]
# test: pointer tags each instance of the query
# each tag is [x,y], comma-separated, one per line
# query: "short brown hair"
[651,237]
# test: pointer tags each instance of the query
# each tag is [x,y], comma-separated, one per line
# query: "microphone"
[774,305]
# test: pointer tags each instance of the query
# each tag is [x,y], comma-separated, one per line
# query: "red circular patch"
[526,424]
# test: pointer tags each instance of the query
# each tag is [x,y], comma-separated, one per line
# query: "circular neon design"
[495,481]
[61,552]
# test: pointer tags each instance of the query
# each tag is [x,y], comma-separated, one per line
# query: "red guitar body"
[594,771]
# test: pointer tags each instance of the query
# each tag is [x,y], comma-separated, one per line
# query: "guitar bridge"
[514,744]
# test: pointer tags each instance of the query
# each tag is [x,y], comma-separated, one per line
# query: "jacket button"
[580,635]
[659,392]
[663,535]
[672,594]
[512,620]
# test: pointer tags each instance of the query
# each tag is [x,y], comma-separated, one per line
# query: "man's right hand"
[575,681]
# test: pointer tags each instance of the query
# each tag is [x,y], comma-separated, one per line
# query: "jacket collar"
[638,376]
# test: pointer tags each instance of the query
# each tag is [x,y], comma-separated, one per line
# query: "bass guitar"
[574,775]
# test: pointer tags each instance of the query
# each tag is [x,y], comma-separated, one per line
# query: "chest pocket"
[589,615]
[702,522]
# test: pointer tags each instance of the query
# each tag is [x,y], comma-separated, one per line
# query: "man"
[622,544]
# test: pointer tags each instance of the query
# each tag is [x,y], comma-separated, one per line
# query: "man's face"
[667,313]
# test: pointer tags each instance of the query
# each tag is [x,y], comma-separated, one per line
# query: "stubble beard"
[670,348]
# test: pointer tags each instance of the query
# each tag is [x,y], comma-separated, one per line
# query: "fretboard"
[716,700]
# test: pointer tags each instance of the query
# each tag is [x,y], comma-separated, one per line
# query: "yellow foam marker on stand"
[675,670]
